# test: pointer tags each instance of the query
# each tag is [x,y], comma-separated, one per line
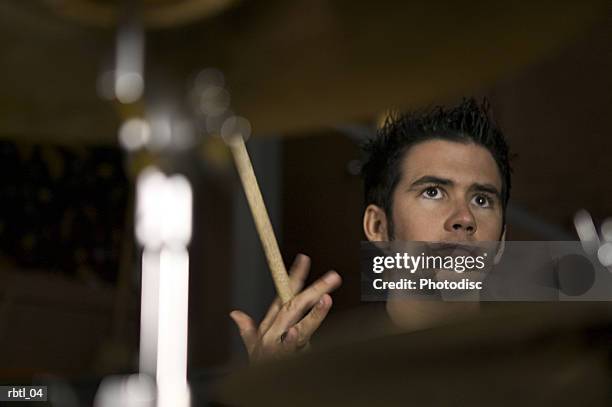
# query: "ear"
[375,224]
[501,247]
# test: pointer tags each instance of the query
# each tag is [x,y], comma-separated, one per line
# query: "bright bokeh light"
[161,132]
[163,227]
[163,211]
[149,304]
[209,77]
[214,101]
[235,126]
[173,389]
[604,254]
[129,87]
[134,134]
[129,59]
[136,390]
[586,231]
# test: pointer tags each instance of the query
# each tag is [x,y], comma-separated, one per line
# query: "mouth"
[454,249]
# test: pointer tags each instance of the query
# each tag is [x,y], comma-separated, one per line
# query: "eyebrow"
[486,188]
[430,179]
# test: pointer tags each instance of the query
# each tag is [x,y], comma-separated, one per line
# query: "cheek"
[489,226]
[420,222]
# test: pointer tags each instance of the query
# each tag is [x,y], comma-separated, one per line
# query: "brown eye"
[482,201]
[432,193]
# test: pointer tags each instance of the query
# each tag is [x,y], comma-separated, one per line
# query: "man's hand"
[287,328]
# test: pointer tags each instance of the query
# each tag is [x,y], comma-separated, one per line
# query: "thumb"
[247,328]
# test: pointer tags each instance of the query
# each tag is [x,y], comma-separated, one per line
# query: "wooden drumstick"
[260,215]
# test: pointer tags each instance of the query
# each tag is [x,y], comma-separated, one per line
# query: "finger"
[297,275]
[311,322]
[247,328]
[284,345]
[298,272]
[289,340]
[292,311]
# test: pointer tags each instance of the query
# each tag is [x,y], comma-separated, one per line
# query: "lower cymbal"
[516,354]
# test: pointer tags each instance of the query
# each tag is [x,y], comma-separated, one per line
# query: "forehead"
[463,163]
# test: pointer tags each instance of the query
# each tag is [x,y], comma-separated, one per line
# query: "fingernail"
[330,277]
[321,303]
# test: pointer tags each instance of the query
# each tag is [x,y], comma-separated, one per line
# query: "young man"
[439,175]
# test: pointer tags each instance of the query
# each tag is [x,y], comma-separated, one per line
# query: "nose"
[461,223]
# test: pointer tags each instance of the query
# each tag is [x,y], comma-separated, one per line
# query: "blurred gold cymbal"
[156,13]
[313,64]
[291,66]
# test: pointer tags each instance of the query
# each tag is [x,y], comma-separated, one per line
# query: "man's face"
[448,191]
